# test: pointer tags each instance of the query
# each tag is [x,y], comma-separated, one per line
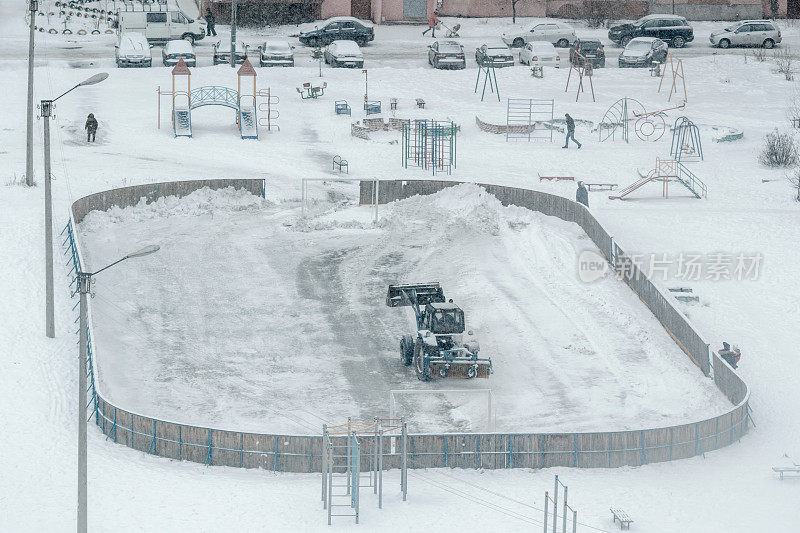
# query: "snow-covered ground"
[749,209]
[243,322]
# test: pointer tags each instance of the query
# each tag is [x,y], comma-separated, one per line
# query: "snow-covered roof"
[444,306]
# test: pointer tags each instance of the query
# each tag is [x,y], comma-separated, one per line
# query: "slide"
[248,124]
[182,122]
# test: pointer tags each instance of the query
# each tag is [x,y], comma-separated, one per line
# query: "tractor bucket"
[479,369]
[425,293]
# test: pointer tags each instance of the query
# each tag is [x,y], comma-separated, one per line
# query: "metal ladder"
[341,484]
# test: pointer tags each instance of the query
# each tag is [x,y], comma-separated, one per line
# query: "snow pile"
[204,201]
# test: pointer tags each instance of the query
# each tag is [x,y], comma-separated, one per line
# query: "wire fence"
[303,453]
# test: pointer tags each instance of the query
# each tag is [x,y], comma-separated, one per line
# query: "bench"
[372,107]
[786,470]
[420,103]
[557,178]
[622,516]
[341,107]
[341,164]
[393,104]
[600,186]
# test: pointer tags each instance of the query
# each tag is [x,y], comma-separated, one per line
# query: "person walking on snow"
[210,23]
[570,132]
[582,195]
[90,127]
[433,21]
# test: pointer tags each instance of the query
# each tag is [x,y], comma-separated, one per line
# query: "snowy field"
[253,320]
[749,210]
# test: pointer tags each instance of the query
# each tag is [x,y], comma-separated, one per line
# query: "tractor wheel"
[443,371]
[472,371]
[419,362]
[407,350]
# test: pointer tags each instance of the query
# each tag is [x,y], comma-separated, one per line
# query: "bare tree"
[785,63]
[794,179]
[780,150]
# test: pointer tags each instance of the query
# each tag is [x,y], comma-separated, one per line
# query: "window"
[745,28]
[348,26]
[765,27]
[539,27]
[333,26]
[157,18]
[178,18]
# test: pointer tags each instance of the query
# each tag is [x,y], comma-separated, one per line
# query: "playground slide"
[248,123]
[182,122]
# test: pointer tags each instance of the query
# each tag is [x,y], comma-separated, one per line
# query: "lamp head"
[97,78]
[147,250]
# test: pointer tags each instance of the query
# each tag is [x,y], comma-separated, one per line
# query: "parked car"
[161,26]
[133,50]
[177,49]
[338,29]
[344,54]
[498,55]
[747,33]
[540,54]
[447,54]
[222,52]
[277,53]
[671,29]
[591,49]
[642,52]
[558,33]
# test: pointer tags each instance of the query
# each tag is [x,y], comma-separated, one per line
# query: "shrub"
[785,63]
[780,150]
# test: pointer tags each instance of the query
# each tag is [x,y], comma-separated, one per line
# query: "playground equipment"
[340,164]
[246,118]
[429,144]
[522,114]
[649,126]
[440,348]
[686,145]
[676,71]
[308,91]
[486,69]
[618,117]
[583,68]
[566,511]
[267,109]
[372,107]
[244,102]
[667,170]
[342,107]
[353,457]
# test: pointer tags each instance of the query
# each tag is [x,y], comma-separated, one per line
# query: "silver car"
[747,33]
[558,33]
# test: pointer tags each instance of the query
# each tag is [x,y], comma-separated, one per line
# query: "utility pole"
[84,288]
[46,108]
[233,34]
[29,147]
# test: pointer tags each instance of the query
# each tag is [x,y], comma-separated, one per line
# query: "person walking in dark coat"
[90,127]
[210,23]
[570,132]
[433,21]
[582,195]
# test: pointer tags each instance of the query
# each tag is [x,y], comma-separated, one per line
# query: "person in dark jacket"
[90,127]
[210,23]
[582,195]
[433,21]
[730,356]
[570,132]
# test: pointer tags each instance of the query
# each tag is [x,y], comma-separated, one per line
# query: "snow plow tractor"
[440,349]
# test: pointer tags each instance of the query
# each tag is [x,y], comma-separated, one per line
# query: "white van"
[161,26]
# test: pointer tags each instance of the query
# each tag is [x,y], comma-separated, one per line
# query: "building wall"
[335,8]
[492,8]
[712,9]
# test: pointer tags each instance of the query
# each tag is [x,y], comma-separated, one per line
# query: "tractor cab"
[443,318]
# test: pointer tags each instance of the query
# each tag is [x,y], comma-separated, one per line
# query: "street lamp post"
[46,110]
[33,6]
[233,33]
[84,288]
